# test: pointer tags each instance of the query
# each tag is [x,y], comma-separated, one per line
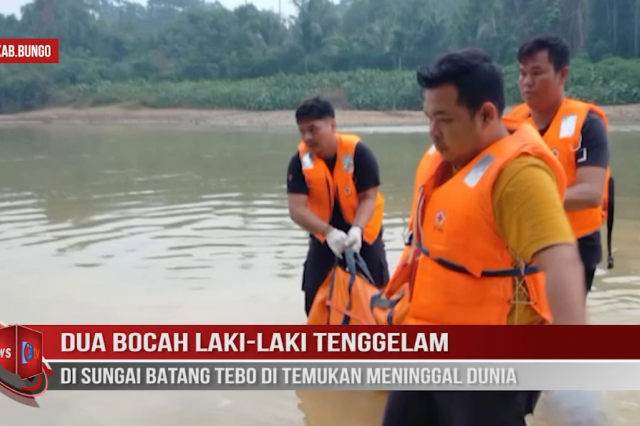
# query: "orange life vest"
[564,137]
[464,273]
[325,186]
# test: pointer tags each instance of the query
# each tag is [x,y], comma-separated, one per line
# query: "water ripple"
[182,220]
[128,227]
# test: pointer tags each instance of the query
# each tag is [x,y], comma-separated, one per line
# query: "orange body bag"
[348,296]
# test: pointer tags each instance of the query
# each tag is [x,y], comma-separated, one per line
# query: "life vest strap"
[511,272]
[610,213]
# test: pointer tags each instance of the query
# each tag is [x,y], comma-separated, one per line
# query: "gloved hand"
[336,241]
[354,238]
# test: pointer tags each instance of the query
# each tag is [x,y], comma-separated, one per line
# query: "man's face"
[540,84]
[318,134]
[456,134]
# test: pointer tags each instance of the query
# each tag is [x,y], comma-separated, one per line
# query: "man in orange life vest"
[577,133]
[487,209]
[332,187]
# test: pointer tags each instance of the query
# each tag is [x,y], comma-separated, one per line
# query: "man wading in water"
[332,187]
[495,245]
[576,131]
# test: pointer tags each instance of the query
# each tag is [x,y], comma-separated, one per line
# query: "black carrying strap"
[353,261]
[610,212]
[377,300]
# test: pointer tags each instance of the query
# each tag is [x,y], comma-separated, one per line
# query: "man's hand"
[354,238]
[566,291]
[336,240]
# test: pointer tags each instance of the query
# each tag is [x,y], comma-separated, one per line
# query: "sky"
[8,7]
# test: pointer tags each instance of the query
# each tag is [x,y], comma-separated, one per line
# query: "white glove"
[336,241]
[354,238]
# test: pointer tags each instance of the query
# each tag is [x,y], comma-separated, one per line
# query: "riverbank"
[618,114]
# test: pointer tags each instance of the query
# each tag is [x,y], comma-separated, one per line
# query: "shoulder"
[296,182]
[363,150]
[294,170]
[528,208]
[294,161]
[366,172]
[519,112]
[594,146]
[593,121]
[529,165]
[364,156]
[525,174]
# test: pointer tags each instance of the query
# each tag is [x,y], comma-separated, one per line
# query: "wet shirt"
[366,175]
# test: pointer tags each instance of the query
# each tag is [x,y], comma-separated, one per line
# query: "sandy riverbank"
[619,114]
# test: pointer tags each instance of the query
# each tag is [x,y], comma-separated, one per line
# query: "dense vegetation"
[193,53]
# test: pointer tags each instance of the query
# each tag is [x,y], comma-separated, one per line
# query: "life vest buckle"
[408,237]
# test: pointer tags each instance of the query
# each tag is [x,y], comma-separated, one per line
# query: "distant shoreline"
[228,118]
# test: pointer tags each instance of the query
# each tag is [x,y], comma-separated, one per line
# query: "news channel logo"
[28,353]
[23,369]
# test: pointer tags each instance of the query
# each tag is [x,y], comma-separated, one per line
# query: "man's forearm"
[582,196]
[306,219]
[563,298]
[364,212]
[565,290]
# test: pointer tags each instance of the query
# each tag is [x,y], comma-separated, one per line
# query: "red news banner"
[205,342]
[29,51]
[205,357]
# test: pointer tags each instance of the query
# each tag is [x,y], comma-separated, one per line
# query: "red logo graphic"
[29,51]
[23,369]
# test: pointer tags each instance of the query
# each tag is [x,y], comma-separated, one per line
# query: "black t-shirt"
[593,151]
[366,175]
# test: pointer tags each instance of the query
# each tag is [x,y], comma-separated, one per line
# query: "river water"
[164,225]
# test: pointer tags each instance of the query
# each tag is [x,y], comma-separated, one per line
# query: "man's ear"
[564,74]
[333,124]
[488,113]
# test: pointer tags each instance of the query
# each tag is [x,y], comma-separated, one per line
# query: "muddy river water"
[162,226]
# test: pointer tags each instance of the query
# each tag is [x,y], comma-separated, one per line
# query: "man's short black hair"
[556,47]
[473,72]
[316,108]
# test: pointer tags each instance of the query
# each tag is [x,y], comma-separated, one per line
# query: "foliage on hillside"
[194,53]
